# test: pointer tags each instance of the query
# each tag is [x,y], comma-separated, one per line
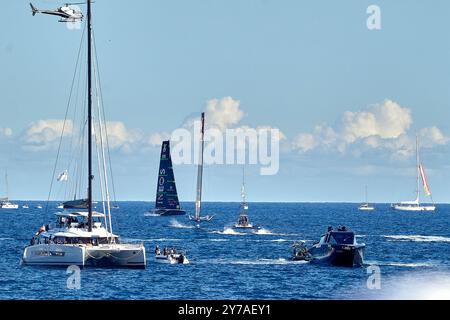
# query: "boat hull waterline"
[108,255]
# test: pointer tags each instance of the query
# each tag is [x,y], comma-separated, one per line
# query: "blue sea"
[410,250]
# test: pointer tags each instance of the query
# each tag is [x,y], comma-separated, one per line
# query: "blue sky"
[347,99]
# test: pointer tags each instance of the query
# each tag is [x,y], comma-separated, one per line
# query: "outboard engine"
[181,259]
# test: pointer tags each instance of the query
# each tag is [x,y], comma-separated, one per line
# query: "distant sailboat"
[4,202]
[365,206]
[198,199]
[415,204]
[166,203]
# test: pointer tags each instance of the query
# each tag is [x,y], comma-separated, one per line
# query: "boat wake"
[176,224]
[417,238]
[229,231]
[401,264]
[279,261]
[263,231]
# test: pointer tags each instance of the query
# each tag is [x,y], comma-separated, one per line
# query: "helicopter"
[67,13]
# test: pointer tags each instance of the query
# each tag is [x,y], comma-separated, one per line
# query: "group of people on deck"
[166,251]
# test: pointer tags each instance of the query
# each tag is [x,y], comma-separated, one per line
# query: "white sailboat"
[415,205]
[365,206]
[82,236]
[198,200]
[4,201]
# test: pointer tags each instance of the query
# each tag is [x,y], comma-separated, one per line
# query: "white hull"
[111,255]
[54,255]
[366,208]
[116,255]
[202,218]
[413,207]
[9,206]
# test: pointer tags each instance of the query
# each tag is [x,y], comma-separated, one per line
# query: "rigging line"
[101,125]
[104,119]
[63,129]
[73,163]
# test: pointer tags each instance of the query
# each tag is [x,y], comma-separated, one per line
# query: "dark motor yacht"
[338,248]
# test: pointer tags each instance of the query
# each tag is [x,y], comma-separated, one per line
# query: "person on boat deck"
[157,251]
[165,251]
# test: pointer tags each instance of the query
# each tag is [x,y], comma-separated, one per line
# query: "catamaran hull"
[204,218]
[119,256]
[97,256]
[54,255]
[169,212]
[338,255]
[413,208]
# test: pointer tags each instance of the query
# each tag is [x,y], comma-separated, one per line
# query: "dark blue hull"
[169,212]
[338,255]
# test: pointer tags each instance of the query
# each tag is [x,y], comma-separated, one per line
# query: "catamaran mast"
[418,170]
[198,199]
[89,120]
[243,195]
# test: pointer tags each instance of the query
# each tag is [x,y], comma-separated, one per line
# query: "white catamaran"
[415,205]
[82,236]
[4,201]
[198,200]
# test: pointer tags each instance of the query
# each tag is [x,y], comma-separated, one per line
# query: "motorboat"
[6,204]
[338,247]
[171,256]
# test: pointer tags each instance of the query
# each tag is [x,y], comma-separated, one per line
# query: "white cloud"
[223,113]
[6,132]
[156,139]
[122,138]
[382,126]
[44,134]
[387,120]
[432,136]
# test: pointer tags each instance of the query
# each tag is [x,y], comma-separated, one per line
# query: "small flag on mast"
[63,176]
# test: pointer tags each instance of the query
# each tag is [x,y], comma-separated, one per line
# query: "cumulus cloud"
[120,137]
[156,139]
[223,113]
[432,136]
[44,134]
[381,126]
[5,132]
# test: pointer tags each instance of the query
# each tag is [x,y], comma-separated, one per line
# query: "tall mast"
[366,194]
[89,122]
[7,186]
[243,185]
[418,169]
[198,199]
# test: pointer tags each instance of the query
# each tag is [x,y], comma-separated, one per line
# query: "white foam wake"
[279,261]
[418,238]
[401,264]
[263,231]
[176,224]
[230,231]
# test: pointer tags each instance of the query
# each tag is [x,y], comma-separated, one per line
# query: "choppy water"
[411,249]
